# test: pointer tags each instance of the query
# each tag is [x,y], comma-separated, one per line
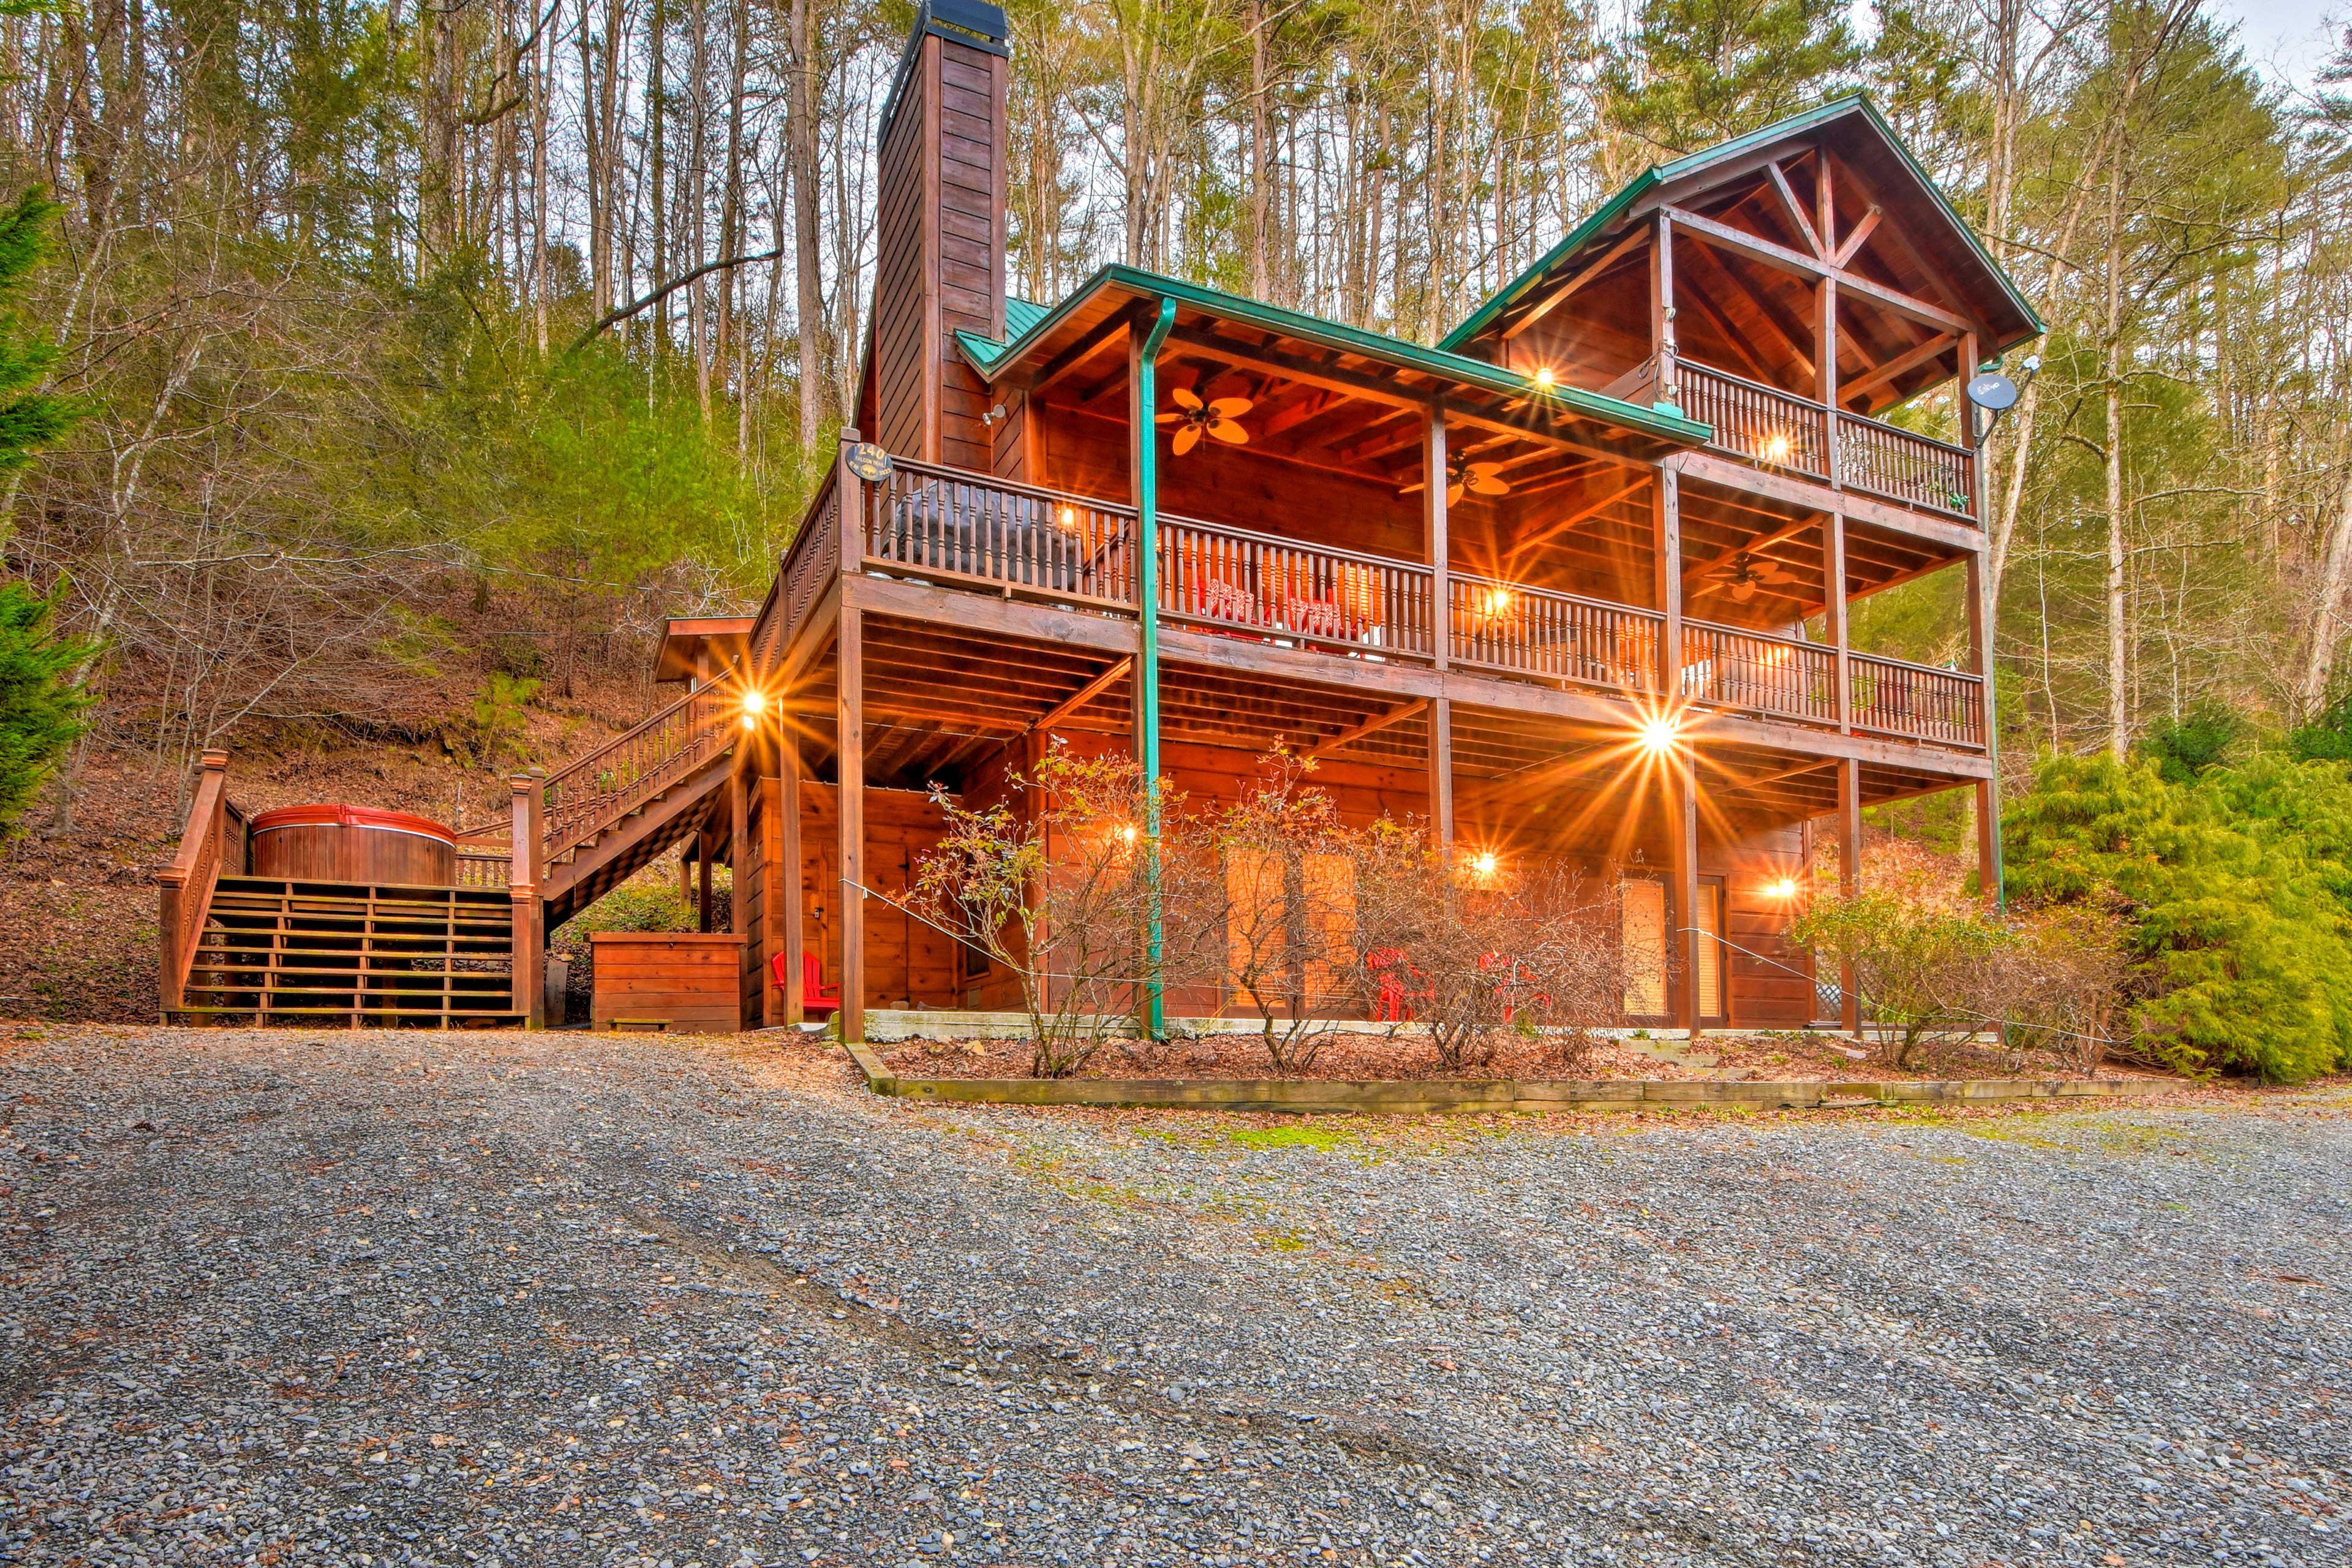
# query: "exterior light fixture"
[1786,888]
[755,702]
[1544,378]
[1484,863]
[1127,834]
[1067,519]
[1658,734]
[1497,600]
[1777,447]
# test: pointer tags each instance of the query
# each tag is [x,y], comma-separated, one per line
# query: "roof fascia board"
[1436,363]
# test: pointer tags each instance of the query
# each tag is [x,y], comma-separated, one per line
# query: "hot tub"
[353,844]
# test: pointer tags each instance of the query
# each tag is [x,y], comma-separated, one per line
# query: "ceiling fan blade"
[1489,485]
[1186,439]
[1228,432]
[1743,590]
[1452,493]
[1166,418]
[1231,407]
[1184,398]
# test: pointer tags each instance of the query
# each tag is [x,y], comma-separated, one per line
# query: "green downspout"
[1147,663]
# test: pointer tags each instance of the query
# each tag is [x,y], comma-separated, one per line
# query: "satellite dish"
[1992,391]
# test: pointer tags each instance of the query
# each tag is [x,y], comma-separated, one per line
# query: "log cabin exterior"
[1572,583]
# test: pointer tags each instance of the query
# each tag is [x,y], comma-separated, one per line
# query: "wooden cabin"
[1574,582]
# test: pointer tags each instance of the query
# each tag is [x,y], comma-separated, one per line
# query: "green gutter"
[1665,427]
[1147,664]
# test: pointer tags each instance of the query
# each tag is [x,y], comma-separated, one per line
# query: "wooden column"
[742,863]
[1826,373]
[791,911]
[1666,547]
[851,810]
[702,876]
[768,842]
[527,942]
[1849,830]
[1662,310]
[1981,627]
[1833,617]
[1682,829]
[1436,541]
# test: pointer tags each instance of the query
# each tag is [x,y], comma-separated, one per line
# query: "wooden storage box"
[691,982]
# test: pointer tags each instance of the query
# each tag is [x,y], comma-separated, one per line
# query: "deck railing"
[1780,430]
[930,521]
[630,770]
[1905,466]
[212,845]
[1755,421]
[1222,576]
[943,524]
[812,561]
[1728,668]
[1553,636]
[483,868]
[1916,700]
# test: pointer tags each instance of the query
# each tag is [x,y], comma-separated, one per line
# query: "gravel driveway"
[388,1299]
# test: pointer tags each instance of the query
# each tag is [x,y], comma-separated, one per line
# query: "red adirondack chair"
[818,1001]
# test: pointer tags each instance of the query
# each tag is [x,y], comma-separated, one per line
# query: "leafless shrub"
[2059,983]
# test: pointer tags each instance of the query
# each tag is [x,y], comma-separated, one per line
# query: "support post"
[1833,617]
[1141,400]
[1826,374]
[767,944]
[792,907]
[742,865]
[1667,551]
[1982,612]
[1435,468]
[849,548]
[1849,829]
[1441,774]
[1662,310]
[702,875]
[527,943]
[851,811]
[1682,768]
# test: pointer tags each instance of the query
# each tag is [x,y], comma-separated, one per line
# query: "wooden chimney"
[939,233]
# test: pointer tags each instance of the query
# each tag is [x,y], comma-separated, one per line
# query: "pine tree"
[41,694]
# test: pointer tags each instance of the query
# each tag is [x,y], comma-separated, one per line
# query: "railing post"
[1833,612]
[1826,381]
[852,492]
[524,902]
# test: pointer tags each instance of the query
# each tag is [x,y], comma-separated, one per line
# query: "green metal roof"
[1659,175]
[989,357]
[1020,315]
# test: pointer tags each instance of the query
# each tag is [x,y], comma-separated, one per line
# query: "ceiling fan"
[1745,571]
[1194,419]
[1478,478]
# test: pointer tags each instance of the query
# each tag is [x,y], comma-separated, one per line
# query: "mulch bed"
[1405,1057]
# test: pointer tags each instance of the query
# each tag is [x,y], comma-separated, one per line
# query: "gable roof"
[1854,105]
[991,358]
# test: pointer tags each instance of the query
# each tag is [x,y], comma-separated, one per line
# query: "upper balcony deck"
[961,531]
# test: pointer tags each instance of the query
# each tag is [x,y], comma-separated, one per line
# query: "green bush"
[2233,892]
[1920,969]
[42,699]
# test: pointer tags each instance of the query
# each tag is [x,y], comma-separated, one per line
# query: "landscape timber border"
[1415,1097]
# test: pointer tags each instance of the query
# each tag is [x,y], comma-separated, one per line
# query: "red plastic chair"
[818,1001]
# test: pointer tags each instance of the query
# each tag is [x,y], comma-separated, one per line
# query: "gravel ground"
[392,1298]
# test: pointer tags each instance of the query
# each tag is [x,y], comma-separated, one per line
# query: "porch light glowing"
[1777,447]
[755,702]
[1544,377]
[1786,888]
[1484,863]
[1127,834]
[1496,601]
[1658,734]
[1067,519]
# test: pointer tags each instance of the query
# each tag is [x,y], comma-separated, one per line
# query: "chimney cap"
[974,24]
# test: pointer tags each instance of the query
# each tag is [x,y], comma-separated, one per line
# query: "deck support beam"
[850,802]
[527,955]
[792,907]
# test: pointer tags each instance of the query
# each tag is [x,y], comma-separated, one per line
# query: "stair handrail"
[598,789]
[215,836]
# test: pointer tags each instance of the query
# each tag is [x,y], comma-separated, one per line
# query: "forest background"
[427,353]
